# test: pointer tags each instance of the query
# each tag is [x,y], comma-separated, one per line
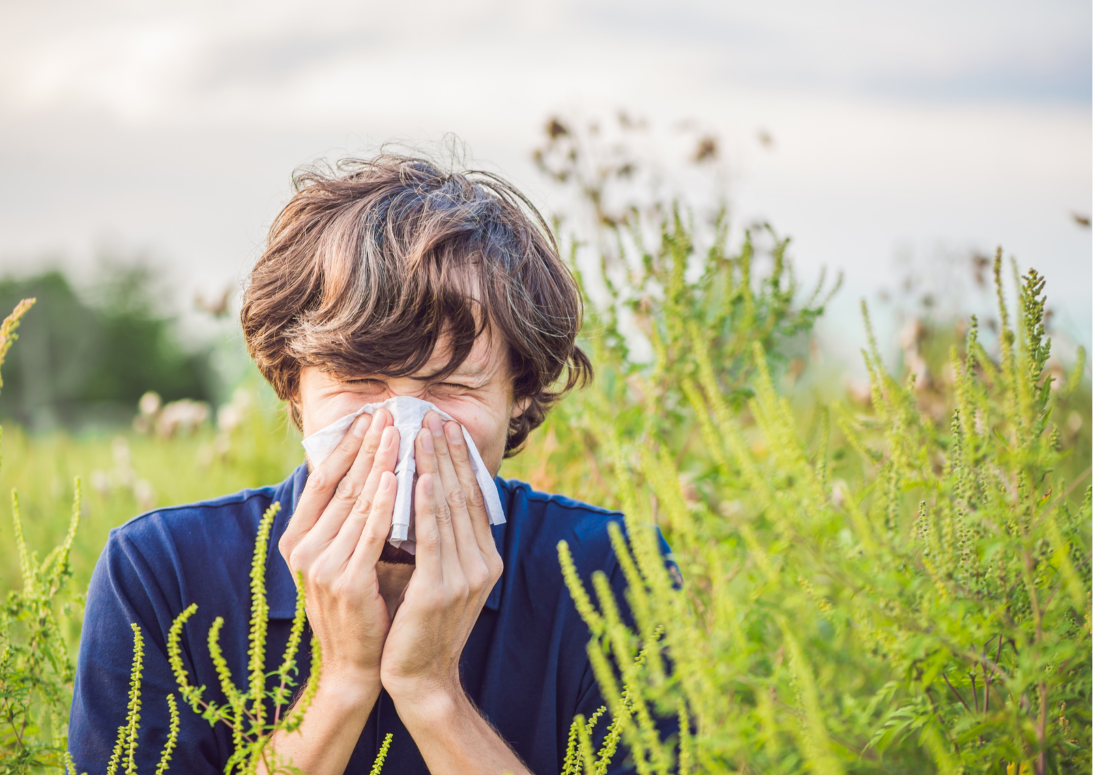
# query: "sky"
[904,135]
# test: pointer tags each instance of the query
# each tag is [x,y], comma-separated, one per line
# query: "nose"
[403,386]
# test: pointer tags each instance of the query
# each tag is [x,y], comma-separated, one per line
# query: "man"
[386,278]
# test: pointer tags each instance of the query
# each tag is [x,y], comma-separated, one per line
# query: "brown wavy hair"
[371,261]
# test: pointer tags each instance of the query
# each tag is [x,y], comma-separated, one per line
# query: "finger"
[476,501]
[466,546]
[440,511]
[349,488]
[321,483]
[469,552]
[450,504]
[376,529]
[426,532]
[345,542]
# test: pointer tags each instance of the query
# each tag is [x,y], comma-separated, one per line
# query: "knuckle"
[311,579]
[478,576]
[318,479]
[347,443]
[475,498]
[371,444]
[457,498]
[347,489]
[343,587]
[429,539]
[321,576]
[362,507]
[443,513]
[298,559]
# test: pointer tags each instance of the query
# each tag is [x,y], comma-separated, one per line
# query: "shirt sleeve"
[591,699]
[124,591]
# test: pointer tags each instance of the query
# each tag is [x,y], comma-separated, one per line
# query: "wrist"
[429,703]
[348,689]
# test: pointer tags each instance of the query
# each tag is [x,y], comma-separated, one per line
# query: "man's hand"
[457,566]
[335,538]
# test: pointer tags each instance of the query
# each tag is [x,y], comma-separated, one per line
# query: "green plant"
[35,668]
[892,594]
[36,672]
[244,711]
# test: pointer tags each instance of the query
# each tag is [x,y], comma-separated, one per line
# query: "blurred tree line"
[89,353]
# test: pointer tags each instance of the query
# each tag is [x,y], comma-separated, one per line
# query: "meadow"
[892,580]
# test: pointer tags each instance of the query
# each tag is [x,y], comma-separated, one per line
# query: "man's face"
[478,395]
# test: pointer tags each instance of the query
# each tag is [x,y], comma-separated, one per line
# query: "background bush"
[89,354]
[896,582]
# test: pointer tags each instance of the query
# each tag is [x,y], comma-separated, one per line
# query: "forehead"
[488,356]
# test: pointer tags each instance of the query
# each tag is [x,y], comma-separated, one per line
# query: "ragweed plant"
[269,703]
[36,672]
[882,592]
[35,669]
[650,270]
[125,746]
[245,710]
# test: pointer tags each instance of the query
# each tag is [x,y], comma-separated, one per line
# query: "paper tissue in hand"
[408,413]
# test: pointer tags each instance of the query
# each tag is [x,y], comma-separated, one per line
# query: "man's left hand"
[457,566]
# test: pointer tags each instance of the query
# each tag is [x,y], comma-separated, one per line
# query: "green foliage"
[895,593]
[36,672]
[245,710]
[130,473]
[35,667]
[87,362]
[895,585]
[894,582]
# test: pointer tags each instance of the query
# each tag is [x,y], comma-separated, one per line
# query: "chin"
[394,556]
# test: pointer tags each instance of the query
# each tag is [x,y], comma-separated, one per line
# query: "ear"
[519,407]
[292,406]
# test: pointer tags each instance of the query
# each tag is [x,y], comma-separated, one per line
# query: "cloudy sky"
[904,133]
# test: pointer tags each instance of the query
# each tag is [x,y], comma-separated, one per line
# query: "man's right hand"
[335,538]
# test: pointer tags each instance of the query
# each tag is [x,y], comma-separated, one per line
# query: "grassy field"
[128,473]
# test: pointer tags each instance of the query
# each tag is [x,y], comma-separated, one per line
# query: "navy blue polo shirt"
[524,665]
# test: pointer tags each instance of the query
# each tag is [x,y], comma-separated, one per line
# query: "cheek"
[488,428]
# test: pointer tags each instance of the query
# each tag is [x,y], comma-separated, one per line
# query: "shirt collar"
[280,589]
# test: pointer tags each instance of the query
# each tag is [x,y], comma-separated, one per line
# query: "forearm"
[454,738]
[330,730]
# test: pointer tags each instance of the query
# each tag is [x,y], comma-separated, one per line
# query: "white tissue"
[408,412]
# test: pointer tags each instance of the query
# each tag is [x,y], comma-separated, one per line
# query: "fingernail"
[360,426]
[427,443]
[385,482]
[435,426]
[454,433]
[388,437]
[427,483]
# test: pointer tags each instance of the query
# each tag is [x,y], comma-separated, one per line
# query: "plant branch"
[954,691]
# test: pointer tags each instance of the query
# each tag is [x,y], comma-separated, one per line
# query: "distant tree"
[86,358]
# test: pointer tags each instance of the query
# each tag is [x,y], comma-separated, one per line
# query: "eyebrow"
[472,373]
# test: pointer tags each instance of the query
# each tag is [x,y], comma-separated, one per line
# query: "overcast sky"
[902,131]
